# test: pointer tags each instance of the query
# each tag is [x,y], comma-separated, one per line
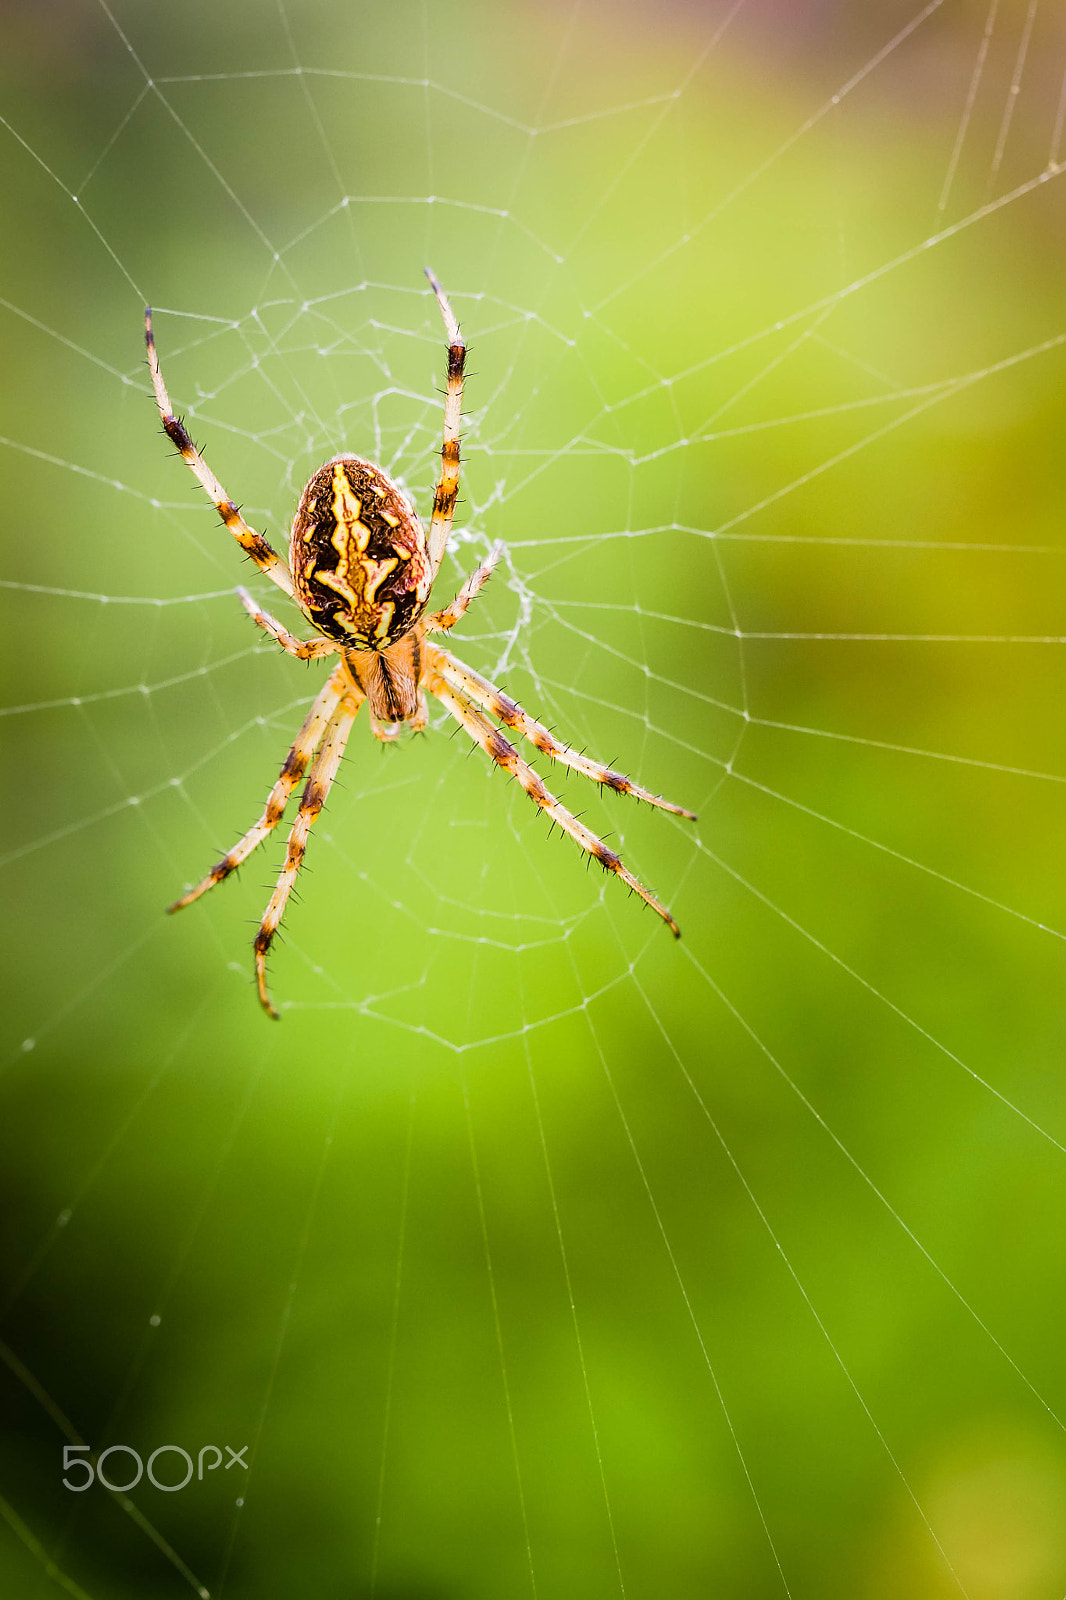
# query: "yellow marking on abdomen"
[347,508]
[374,575]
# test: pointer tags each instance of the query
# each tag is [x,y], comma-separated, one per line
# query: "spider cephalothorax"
[361,569]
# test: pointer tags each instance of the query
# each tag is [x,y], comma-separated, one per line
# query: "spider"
[361,569]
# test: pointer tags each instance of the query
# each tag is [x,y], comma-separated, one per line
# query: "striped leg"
[448,486]
[441,621]
[506,756]
[484,694]
[303,650]
[252,543]
[296,763]
[314,798]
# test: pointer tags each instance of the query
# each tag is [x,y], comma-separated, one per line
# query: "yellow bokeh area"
[533,1252]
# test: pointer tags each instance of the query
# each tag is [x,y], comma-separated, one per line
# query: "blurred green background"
[533,1253]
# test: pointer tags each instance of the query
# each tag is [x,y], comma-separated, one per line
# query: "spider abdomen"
[358,555]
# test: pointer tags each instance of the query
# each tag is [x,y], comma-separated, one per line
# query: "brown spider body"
[391,680]
[358,556]
[361,569]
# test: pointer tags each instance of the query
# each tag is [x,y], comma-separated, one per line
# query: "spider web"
[534,1253]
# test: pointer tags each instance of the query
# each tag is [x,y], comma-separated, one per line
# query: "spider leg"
[303,651]
[485,694]
[319,783]
[296,763]
[506,756]
[252,543]
[448,485]
[441,621]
